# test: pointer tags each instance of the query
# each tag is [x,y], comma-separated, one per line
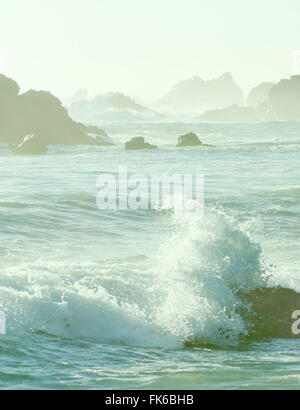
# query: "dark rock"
[138,143]
[269,311]
[188,140]
[37,113]
[31,145]
[40,113]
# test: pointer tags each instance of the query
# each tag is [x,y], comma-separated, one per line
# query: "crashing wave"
[206,286]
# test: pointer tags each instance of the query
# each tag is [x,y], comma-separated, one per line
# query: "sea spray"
[187,293]
[202,266]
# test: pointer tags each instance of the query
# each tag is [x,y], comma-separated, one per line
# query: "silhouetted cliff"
[37,113]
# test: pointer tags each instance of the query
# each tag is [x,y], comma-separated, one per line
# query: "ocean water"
[109,299]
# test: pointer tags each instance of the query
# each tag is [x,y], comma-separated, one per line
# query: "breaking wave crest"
[187,293]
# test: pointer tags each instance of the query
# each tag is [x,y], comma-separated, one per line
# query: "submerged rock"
[267,313]
[188,140]
[138,143]
[31,145]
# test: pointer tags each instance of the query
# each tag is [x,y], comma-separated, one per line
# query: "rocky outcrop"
[138,143]
[37,113]
[269,311]
[31,145]
[235,113]
[188,140]
[196,95]
[279,102]
[191,140]
[259,94]
[284,99]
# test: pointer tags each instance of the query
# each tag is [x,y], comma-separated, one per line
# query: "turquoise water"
[107,299]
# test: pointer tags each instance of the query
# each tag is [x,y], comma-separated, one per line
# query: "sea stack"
[138,143]
[37,113]
[188,140]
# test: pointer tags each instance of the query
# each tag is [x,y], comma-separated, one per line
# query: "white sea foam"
[186,293]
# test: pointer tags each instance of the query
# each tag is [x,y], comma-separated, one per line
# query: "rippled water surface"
[107,299]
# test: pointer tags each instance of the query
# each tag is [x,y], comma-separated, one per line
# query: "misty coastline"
[150,197]
[40,114]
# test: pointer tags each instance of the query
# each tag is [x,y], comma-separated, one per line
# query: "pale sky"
[144,47]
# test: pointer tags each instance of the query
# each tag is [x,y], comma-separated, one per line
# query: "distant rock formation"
[235,113]
[78,96]
[283,102]
[188,140]
[259,94]
[111,107]
[284,99]
[31,145]
[197,95]
[37,113]
[138,143]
